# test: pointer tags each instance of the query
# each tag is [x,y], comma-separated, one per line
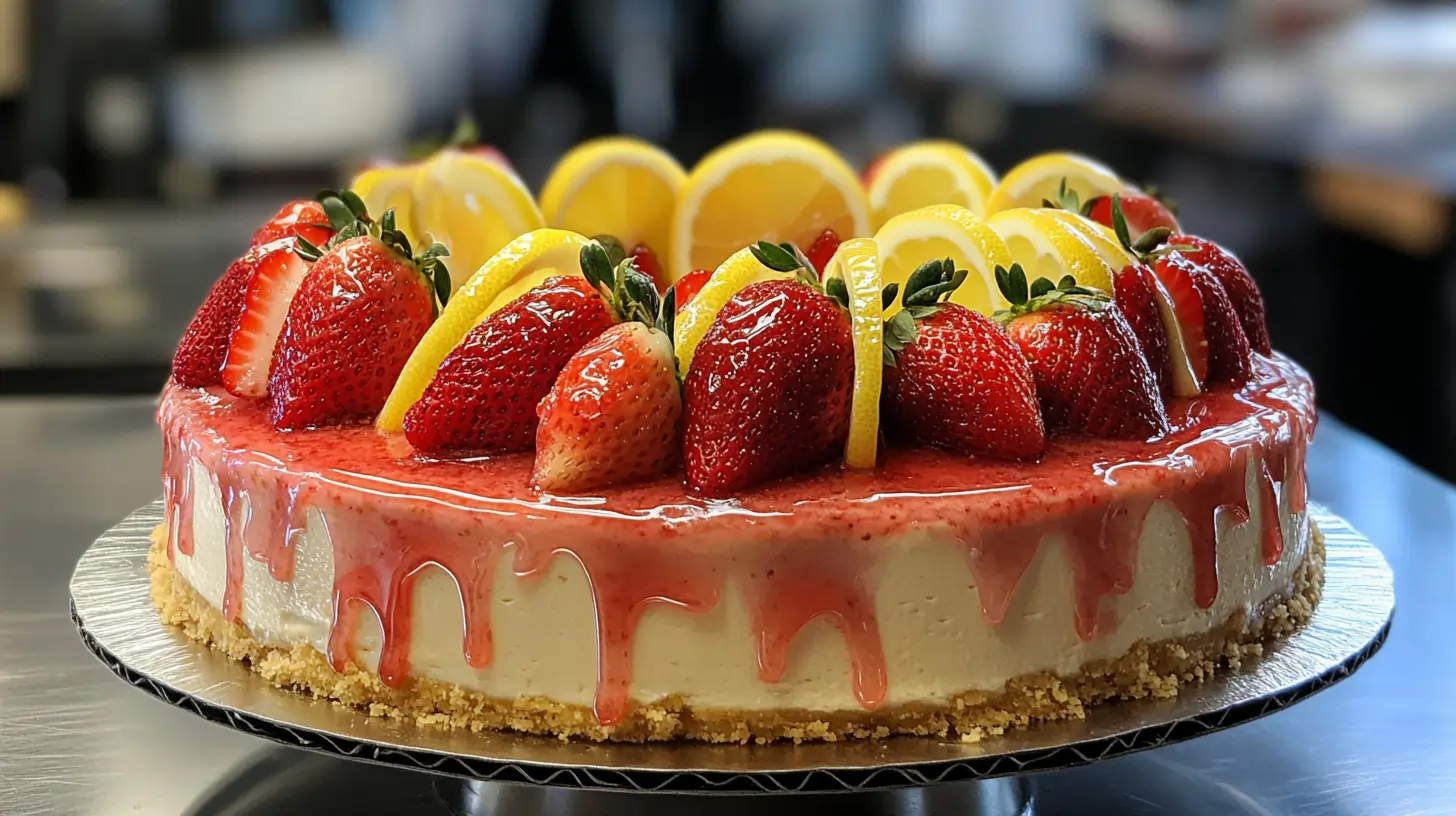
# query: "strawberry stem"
[631,294]
[1043,294]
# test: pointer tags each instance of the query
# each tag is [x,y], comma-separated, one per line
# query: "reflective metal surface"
[109,596]
[74,740]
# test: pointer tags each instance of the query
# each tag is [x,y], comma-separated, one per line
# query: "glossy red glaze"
[799,547]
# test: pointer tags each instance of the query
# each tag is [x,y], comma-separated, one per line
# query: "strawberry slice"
[199,357]
[1174,271]
[276,277]
[768,393]
[1242,291]
[1091,376]
[1135,291]
[1229,358]
[614,414]
[957,380]
[822,251]
[296,218]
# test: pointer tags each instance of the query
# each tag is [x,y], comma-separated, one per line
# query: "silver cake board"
[114,614]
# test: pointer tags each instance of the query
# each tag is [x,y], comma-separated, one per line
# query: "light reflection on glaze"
[800,548]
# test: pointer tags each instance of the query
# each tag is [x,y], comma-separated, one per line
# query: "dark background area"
[142,140]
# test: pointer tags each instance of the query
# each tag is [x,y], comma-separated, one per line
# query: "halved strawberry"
[200,354]
[1135,290]
[614,414]
[1091,376]
[768,393]
[296,218]
[1173,271]
[276,277]
[953,379]
[1244,293]
[484,396]
[360,311]
[1229,357]
[822,251]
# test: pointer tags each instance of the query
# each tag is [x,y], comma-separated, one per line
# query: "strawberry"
[1229,357]
[614,414]
[689,285]
[1247,301]
[294,219]
[1174,272]
[276,277]
[1091,376]
[484,396]
[360,311]
[822,250]
[645,260]
[1135,291]
[768,392]
[200,355]
[953,378]
[1142,211]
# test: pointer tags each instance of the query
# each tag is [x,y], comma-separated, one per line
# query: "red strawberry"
[1173,271]
[484,396]
[1142,211]
[822,250]
[1091,376]
[1229,357]
[689,285]
[277,275]
[614,414]
[356,317]
[296,218]
[955,380]
[768,391]
[200,355]
[646,262]
[1135,291]
[1247,301]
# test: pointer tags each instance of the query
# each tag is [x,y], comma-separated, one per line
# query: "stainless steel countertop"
[75,740]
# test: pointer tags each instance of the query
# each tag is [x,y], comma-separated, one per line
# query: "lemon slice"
[740,270]
[772,186]
[392,188]
[945,231]
[857,263]
[531,257]
[615,186]
[1039,177]
[1047,248]
[928,172]
[1103,240]
[472,205]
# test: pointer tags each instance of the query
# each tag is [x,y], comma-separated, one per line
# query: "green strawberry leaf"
[615,252]
[774,257]
[1040,287]
[836,289]
[887,297]
[596,267]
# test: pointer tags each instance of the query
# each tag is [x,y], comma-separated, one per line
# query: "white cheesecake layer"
[936,641]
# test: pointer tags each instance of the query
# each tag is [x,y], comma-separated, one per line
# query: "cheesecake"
[590,509]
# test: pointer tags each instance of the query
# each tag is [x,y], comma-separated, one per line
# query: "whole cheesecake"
[935,593]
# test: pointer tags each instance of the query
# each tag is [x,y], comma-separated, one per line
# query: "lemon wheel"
[1039,178]
[771,186]
[945,231]
[929,172]
[1047,248]
[857,263]
[616,186]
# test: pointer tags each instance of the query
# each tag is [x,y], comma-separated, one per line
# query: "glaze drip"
[389,517]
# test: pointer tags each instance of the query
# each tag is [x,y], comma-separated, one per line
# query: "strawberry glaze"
[800,548]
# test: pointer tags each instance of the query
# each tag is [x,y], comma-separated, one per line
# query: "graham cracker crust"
[1154,670]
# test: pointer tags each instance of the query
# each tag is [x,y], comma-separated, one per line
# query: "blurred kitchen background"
[141,141]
